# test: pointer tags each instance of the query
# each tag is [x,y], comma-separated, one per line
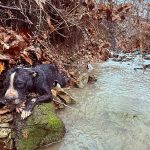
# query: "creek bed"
[111,114]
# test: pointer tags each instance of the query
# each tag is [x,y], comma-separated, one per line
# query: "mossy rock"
[41,128]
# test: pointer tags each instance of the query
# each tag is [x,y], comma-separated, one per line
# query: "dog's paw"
[20,107]
[25,114]
[19,110]
[33,100]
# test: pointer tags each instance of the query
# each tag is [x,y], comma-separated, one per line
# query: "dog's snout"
[11,94]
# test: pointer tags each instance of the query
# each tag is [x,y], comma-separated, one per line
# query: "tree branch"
[7,7]
[17,9]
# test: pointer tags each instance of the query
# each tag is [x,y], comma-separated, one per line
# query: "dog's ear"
[33,73]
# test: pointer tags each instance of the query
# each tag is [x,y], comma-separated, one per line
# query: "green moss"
[41,128]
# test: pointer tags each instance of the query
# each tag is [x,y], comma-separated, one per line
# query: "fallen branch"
[7,7]
[17,9]
[19,20]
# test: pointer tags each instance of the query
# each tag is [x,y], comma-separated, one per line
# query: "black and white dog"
[19,82]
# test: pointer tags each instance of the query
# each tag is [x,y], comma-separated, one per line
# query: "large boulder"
[41,128]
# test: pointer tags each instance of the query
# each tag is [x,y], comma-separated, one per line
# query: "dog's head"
[18,83]
[62,79]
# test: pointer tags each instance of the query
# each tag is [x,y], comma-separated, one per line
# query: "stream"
[111,114]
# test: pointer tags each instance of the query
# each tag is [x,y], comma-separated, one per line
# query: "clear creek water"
[111,114]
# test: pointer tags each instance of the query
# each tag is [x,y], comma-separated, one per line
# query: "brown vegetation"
[63,32]
[69,33]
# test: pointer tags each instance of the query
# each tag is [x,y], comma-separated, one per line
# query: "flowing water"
[111,114]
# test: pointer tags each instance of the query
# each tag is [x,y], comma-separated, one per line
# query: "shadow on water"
[112,114]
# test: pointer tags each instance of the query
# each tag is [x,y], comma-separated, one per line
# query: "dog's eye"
[20,84]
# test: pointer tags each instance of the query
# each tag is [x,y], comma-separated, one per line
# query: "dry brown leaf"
[102,7]
[1,67]
[25,56]
[36,50]
[115,17]
[5,45]
[4,57]
[91,31]
[52,29]
[39,3]
[7,38]
[145,25]
[85,17]
[38,53]
[22,45]
[45,34]
[89,3]
[4,110]
[18,41]
[19,37]
[14,43]
[127,6]
[32,48]
[2,36]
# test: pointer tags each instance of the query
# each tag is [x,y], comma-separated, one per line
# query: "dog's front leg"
[30,105]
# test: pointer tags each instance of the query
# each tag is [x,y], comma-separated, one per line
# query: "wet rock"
[41,128]
[63,95]
[6,141]
[90,68]
[83,75]
[5,110]
[92,78]
[115,55]
[5,130]
[147,56]
[146,66]
[120,58]
[58,103]
[6,118]
[82,80]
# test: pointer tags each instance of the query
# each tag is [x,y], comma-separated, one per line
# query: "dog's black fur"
[39,79]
